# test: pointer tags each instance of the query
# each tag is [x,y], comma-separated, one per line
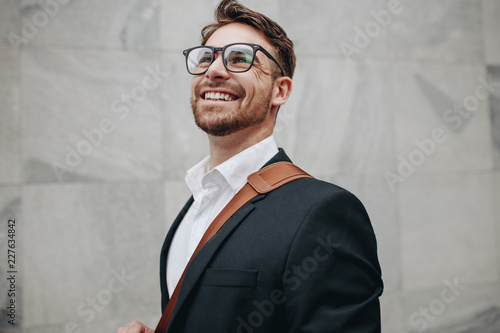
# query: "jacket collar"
[281,156]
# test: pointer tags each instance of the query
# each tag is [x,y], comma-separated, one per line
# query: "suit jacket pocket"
[241,278]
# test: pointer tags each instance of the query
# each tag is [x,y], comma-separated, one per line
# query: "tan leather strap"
[262,181]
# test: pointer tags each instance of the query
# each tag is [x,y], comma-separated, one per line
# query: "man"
[301,258]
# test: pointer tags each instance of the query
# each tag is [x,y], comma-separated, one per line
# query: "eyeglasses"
[237,57]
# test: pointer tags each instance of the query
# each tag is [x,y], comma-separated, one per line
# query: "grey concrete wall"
[402,99]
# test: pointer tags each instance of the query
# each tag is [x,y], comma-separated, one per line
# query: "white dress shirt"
[212,190]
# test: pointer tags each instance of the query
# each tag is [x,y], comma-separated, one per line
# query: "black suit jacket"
[302,258]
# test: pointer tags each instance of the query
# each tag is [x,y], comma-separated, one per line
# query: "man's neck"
[223,148]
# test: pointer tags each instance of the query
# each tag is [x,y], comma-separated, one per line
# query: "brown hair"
[230,11]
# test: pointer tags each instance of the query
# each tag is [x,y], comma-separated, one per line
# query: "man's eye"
[239,59]
[205,59]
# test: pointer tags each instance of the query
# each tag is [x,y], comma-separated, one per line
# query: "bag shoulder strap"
[263,181]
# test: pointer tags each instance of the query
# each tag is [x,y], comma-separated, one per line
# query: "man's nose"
[217,70]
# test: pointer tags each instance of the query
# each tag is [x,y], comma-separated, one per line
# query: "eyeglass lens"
[237,58]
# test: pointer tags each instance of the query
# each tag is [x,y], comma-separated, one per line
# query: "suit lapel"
[202,259]
[166,247]
[204,256]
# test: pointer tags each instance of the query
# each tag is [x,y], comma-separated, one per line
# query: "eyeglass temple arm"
[271,57]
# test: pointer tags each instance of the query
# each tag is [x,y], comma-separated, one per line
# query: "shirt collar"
[236,169]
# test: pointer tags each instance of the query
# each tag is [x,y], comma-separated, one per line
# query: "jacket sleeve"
[332,279]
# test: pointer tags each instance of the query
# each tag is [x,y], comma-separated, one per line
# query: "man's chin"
[218,121]
[219,130]
[214,121]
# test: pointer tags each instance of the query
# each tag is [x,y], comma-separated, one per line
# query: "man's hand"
[135,327]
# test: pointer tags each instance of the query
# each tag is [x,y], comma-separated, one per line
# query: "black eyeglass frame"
[255,47]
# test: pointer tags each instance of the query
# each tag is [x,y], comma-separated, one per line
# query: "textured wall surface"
[396,100]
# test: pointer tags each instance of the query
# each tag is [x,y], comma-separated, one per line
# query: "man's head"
[240,88]
[230,11]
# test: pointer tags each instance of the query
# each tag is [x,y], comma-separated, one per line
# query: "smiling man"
[299,258]
[235,97]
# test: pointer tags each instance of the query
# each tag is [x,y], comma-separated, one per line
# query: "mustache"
[234,88]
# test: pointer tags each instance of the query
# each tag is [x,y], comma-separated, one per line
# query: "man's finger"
[135,327]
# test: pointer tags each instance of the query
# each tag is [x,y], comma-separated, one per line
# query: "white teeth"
[218,96]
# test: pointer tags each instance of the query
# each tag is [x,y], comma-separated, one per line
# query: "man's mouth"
[218,96]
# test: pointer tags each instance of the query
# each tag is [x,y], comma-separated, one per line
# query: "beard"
[221,121]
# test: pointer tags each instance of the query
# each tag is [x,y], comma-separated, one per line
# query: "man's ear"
[281,90]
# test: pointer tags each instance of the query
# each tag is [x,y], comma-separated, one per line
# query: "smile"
[218,96]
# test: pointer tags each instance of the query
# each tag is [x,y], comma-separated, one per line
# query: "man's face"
[249,102]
